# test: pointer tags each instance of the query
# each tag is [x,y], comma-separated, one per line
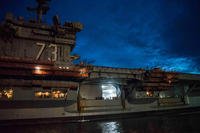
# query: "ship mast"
[41,9]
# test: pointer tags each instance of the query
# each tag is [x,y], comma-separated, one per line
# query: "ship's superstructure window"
[6,93]
[41,94]
[83,72]
[146,94]
[58,94]
[55,94]
[110,91]
[149,93]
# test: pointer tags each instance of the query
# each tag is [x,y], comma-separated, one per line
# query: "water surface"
[157,124]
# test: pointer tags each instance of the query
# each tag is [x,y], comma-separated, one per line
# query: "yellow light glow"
[54,94]
[149,93]
[62,94]
[38,94]
[37,68]
[39,71]
[83,72]
[42,94]
[58,94]
[6,93]
[47,93]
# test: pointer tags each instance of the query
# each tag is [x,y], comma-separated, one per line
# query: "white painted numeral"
[55,51]
[41,50]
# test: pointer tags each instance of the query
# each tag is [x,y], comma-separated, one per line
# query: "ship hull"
[15,116]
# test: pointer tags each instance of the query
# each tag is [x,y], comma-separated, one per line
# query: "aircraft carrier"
[39,81]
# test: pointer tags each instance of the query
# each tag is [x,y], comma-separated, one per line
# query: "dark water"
[157,124]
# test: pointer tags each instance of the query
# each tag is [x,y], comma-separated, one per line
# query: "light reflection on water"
[162,124]
[111,127]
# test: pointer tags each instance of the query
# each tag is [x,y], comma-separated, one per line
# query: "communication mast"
[41,9]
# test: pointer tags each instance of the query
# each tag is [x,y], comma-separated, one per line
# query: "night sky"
[129,33]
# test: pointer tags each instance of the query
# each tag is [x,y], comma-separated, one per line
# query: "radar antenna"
[41,9]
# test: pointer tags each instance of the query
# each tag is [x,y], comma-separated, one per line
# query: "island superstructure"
[38,78]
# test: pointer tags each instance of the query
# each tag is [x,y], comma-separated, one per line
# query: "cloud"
[138,34]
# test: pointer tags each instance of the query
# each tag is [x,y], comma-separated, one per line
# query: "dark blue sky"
[130,33]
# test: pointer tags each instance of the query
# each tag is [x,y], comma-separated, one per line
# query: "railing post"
[79,99]
[123,102]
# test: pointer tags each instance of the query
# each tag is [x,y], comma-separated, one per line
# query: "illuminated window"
[40,94]
[149,93]
[6,94]
[58,94]
[83,72]
[109,91]
[55,94]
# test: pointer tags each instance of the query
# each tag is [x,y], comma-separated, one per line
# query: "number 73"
[43,46]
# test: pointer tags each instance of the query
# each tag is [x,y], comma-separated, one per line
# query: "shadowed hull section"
[35,104]
[85,118]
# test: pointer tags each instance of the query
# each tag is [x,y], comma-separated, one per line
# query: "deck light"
[37,68]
